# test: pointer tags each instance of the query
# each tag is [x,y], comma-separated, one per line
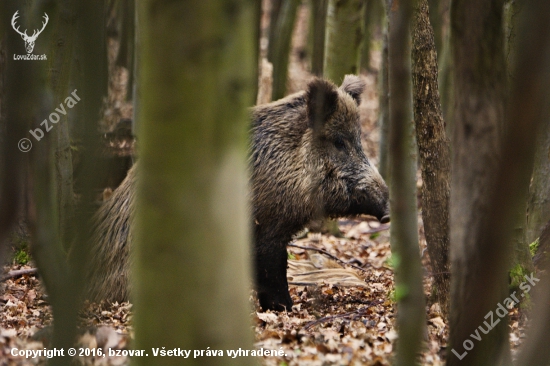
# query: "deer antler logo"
[29,40]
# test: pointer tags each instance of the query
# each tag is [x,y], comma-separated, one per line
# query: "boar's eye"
[340,144]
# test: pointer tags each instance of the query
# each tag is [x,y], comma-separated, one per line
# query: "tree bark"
[384,113]
[433,147]
[374,17]
[344,38]
[59,75]
[404,227]
[535,350]
[272,31]
[191,204]
[529,101]
[479,266]
[538,205]
[280,45]
[14,123]
[318,21]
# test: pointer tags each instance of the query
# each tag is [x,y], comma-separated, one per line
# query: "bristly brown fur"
[306,162]
[354,86]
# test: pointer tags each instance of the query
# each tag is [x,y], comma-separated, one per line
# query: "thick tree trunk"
[191,208]
[280,46]
[479,266]
[433,147]
[529,102]
[404,228]
[344,38]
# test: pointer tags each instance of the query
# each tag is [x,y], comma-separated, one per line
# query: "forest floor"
[344,310]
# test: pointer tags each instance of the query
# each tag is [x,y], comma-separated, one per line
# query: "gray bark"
[479,259]
[404,228]
[434,152]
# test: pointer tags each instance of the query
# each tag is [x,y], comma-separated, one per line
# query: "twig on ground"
[352,315]
[18,273]
[329,255]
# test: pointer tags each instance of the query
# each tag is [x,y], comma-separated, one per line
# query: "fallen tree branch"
[18,273]
[352,315]
[329,255]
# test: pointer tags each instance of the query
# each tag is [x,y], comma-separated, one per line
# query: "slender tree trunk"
[90,80]
[272,31]
[479,266]
[280,46]
[512,9]
[125,57]
[191,207]
[404,229]
[438,20]
[344,38]
[15,116]
[445,67]
[535,350]
[318,21]
[521,262]
[374,18]
[538,205]
[60,72]
[433,147]
[383,112]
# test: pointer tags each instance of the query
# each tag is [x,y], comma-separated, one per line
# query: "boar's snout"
[375,195]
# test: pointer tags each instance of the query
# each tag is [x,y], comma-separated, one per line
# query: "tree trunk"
[445,65]
[15,78]
[512,9]
[280,45]
[374,17]
[125,58]
[529,102]
[521,260]
[384,114]
[479,266]
[404,228]
[433,147]
[318,21]
[191,219]
[60,72]
[439,11]
[538,205]
[535,350]
[275,10]
[344,38]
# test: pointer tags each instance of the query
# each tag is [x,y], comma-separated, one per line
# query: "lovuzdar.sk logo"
[29,40]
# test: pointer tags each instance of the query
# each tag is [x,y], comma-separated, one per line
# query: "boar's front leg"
[270,267]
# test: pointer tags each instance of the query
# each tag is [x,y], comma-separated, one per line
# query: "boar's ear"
[354,86]
[322,101]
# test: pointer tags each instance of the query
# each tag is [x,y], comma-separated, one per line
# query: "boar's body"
[306,163]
